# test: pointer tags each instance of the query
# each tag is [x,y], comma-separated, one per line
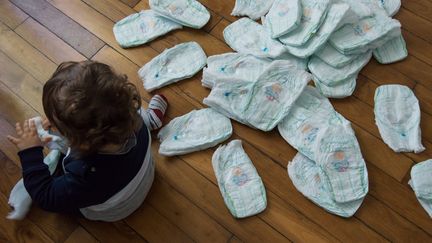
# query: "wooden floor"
[185,203]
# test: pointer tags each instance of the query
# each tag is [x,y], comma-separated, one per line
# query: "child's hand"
[27,136]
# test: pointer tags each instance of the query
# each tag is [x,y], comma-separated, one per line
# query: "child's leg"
[153,116]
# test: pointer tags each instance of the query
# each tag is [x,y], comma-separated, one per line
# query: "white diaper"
[397,115]
[283,17]
[331,76]
[392,51]
[248,37]
[317,131]
[140,28]
[341,90]
[189,13]
[177,63]
[313,15]
[334,16]
[197,130]
[421,183]
[261,104]
[370,33]
[309,179]
[254,9]
[241,187]
[333,57]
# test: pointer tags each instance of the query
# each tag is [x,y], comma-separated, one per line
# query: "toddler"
[108,168]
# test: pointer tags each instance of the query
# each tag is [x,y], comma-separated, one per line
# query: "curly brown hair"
[91,105]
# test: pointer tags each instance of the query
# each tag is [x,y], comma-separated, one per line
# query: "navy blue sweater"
[84,182]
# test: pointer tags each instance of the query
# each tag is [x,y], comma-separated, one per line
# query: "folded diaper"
[245,67]
[309,179]
[317,131]
[19,199]
[397,115]
[248,37]
[197,130]
[334,16]
[392,51]
[254,9]
[233,66]
[283,17]
[189,13]
[142,27]
[261,104]
[331,76]
[333,57]
[177,63]
[342,89]
[390,6]
[360,8]
[241,187]
[421,183]
[368,34]
[313,15]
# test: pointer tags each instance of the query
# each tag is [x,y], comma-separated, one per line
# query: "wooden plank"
[131,3]
[10,15]
[234,239]
[19,231]
[217,31]
[424,96]
[101,26]
[12,107]
[398,230]
[76,36]
[415,24]
[111,232]
[188,217]
[421,8]
[155,227]
[8,148]
[24,54]
[47,43]
[21,83]
[112,9]
[81,235]
[418,47]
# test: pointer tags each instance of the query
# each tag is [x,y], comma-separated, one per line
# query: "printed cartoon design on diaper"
[362,29]
[310,133]
[283,10]
[307,12]
[273,92]
[341,163]
[239,177]
[176,8]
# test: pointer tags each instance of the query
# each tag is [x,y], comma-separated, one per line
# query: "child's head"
[91,105]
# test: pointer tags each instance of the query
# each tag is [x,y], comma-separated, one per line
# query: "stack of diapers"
[19,199]
[164,16]
[397,115]
[142,27]
[260,103]
[248,37]
[177,63]
[254,9]
[332,57]
[333,154]
[421,183]
[197,130]
[242,66]
[334,17]
[283,17]
[189,13]
[313,14]
[241,187]
[337,82]
[368,34]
